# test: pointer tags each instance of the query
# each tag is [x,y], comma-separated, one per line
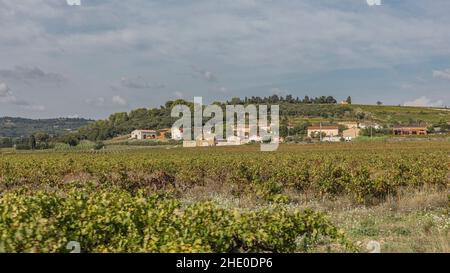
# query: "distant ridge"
[23,127]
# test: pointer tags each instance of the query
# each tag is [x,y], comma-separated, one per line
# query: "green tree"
[70,139]
[42,137]
[349,100]
[32,142]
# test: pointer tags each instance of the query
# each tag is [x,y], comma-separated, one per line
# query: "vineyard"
[234,199]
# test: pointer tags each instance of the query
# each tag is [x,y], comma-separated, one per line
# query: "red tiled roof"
[147,131]
[410,128]
[324,127]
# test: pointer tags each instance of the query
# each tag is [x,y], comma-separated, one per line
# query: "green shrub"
[115,221]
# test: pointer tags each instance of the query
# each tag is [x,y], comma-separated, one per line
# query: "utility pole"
[320,132]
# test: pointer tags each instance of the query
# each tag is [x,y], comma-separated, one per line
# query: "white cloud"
[97,101]
[406,86]
[178,94]
[220,89]
[35,107]
[6,96]
[4,90]
[118,100]
[424,102]
[442,74]
[279,91]
[74,2]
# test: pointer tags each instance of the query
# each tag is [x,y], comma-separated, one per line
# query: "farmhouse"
[351,133]
[177,133]
[326,130]
[189,143]
[349,124]
[375,126]
[143,134]
[163,134]
[411,130]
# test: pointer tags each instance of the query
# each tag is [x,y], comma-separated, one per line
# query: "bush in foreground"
[116,221]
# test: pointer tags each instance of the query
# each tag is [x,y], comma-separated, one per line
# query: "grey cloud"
[251,42]
[100,101]
[26,74]
[139,83]
[203,74]
[219,89]
[115,100]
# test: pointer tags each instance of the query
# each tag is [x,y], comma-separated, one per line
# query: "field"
[383,114]
[302,198]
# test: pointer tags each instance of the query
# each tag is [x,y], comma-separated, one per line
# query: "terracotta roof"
[146,131]
[410,128]
[324,127]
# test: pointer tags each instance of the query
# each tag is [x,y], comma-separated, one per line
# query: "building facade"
[144,134]
[325,130]
[411,130]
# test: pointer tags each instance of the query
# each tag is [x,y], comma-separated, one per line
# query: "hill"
[383,114]
[22,127]
[296,112]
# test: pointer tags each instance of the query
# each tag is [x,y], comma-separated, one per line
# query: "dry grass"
[412,221]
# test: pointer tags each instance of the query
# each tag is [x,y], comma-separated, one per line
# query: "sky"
[91,58]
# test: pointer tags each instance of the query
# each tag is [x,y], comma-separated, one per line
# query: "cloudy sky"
[104,56]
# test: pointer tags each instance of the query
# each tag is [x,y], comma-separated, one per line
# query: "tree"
[283,131]
[32,142]
[349,100]
[99,145]
[379,103]
[6,142]
[70,139]
[235,101]
[42,137]
[330,100]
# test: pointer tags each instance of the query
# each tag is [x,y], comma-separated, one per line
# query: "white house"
[255,138]
[368,125]
[177,133]
[143,134]
[328,130]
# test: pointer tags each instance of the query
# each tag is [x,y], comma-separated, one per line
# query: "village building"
[255,138]
[375,126]
[189,144]
[144,134]
[351,133]
[325,130]
[164,134]
[410,130]
[349,124]
[177,133]
[234,140]
[205,143]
